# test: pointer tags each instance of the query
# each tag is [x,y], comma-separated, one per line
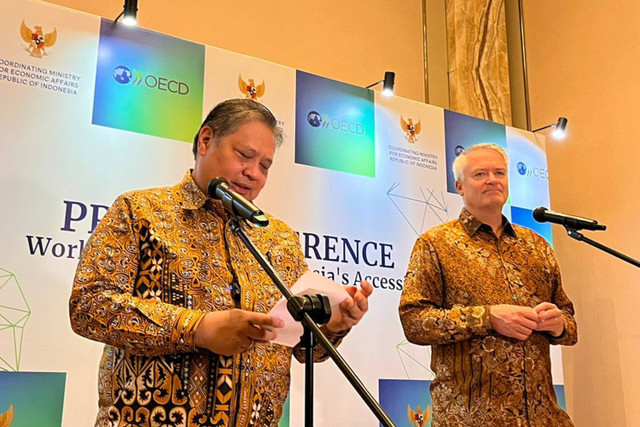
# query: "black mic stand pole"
[299,312]
[572,232]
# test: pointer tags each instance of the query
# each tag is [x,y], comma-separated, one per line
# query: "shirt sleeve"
[103,306]
[570,334]
[424,318]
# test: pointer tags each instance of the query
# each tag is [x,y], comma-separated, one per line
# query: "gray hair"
[461,161]
[226,117]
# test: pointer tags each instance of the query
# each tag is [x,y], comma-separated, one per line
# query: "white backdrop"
[54,162]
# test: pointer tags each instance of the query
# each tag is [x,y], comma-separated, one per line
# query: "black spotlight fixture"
[560,126]
[387,83]
[129,13]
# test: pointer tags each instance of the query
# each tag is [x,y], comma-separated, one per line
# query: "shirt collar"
[471,224]
[192,196]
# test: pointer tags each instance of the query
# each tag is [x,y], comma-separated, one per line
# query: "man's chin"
[495,195]
[496,203]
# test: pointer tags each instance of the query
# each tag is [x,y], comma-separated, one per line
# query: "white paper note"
[309,284]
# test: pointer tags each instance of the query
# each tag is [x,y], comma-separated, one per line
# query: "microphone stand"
[572,232]
[299,310]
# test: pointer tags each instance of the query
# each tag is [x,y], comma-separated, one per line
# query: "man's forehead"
[485,158]
[253,131]
[262,147]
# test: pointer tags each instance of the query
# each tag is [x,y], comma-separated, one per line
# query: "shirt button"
[515,298]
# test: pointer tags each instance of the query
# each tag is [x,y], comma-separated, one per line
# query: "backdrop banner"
[92,109]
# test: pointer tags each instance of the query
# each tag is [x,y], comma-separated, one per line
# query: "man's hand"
[233,331]
[351,309]
[550,319]
[513,320]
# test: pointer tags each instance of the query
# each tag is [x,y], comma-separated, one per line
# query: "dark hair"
[229,115]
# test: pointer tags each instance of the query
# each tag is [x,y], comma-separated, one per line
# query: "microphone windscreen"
[538,214]
[213,185]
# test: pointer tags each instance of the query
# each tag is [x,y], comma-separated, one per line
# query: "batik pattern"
[456,272]
[158,261]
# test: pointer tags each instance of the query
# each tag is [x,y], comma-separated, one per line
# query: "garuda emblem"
[7,418]
[411,129]
[249,88]
[419,418]
[37,40]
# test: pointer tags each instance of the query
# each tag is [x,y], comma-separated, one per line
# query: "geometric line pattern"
[405,348]
[14,314]
[408,206]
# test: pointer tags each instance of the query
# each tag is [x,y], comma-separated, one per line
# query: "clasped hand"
[519,322]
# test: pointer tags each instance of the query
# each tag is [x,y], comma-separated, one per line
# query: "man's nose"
[252,170]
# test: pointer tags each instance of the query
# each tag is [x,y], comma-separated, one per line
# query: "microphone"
[235,204]
[542,214]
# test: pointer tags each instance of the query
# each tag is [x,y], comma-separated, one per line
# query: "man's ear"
[459,188]
[205,140]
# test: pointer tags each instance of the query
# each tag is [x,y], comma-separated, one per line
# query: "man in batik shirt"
[181,303]
[486,295]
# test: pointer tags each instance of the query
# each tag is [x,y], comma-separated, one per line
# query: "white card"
[309,284]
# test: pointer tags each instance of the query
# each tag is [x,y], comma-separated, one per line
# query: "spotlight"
[130,13]
[387,83]
[560,130]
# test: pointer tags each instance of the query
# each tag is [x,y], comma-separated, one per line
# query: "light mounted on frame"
[560,130]
[387,83]
[129,13]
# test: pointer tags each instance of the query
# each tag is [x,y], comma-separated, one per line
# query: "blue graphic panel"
[286,413]
[148,82]
[335,125]
[560,397]
[400,397]
[528,173]
[524,217]
[461,132]
[35,398]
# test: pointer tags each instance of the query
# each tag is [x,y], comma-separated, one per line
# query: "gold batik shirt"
[456,271]
[158,261]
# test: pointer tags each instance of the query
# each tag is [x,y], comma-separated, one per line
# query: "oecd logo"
[323,121]
[122,74]
[522,168]
[532,171]
[314,118]
[459,150]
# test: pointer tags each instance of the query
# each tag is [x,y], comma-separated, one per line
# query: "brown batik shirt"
[158,261]
[456,271]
